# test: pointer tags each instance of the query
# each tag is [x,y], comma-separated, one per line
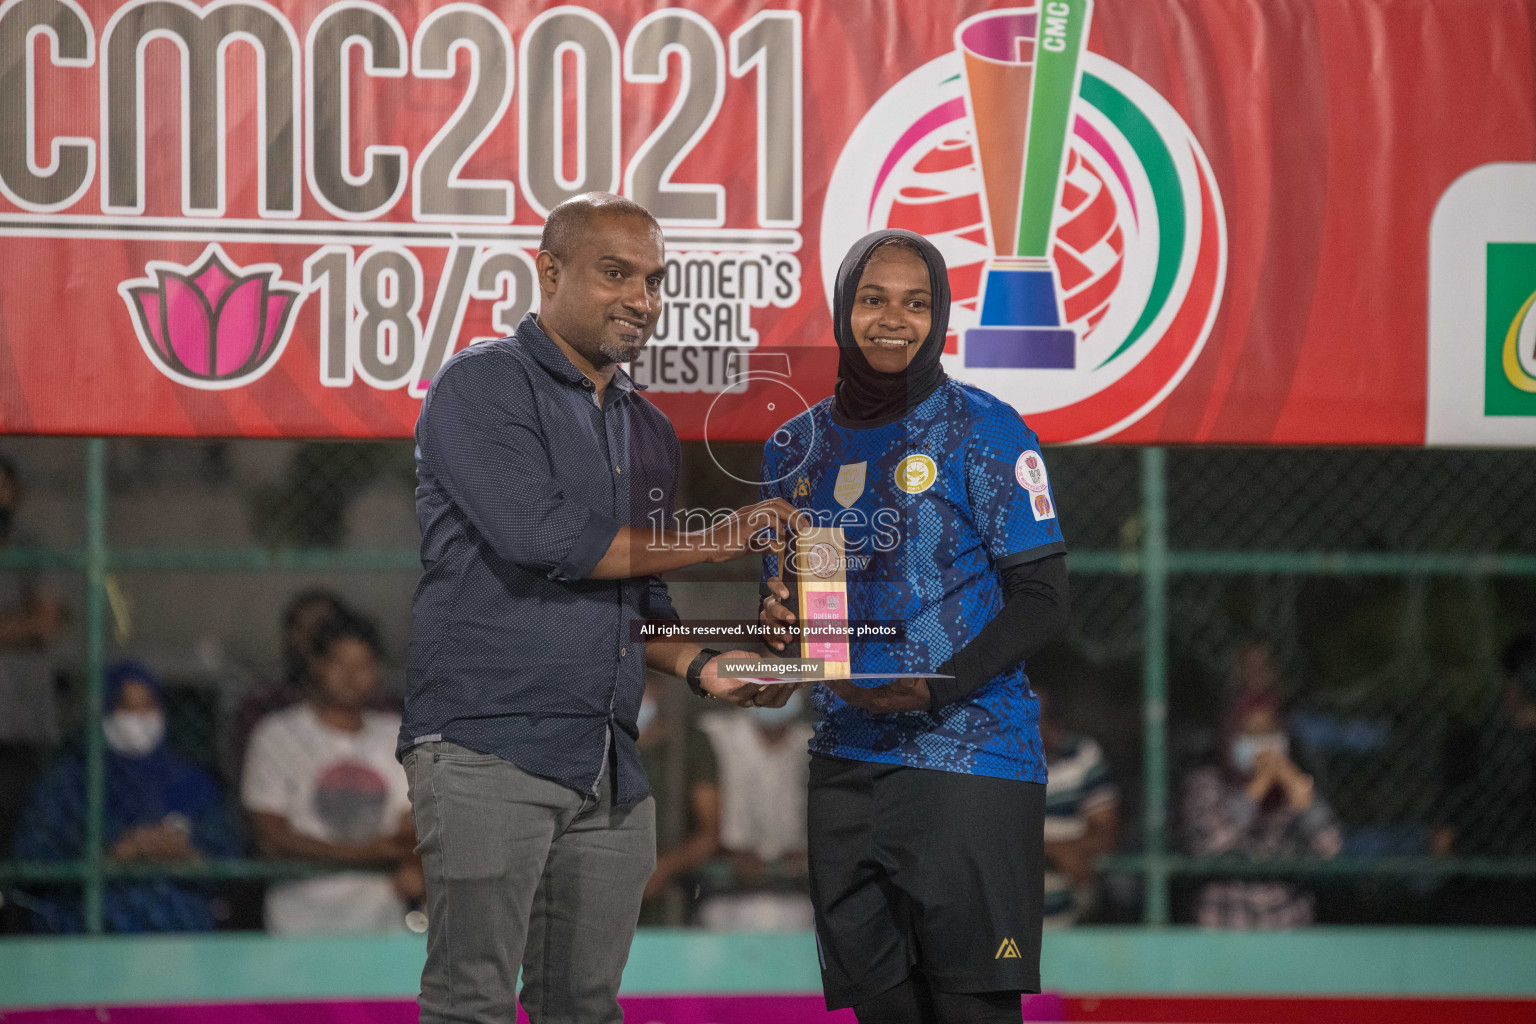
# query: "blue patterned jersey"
[933,506]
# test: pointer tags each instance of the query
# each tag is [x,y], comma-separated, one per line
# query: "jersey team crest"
[916,473]
[1119,235]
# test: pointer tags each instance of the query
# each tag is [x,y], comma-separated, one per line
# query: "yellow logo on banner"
[916,473]
[850,483]
[1520,347]
[1009,950]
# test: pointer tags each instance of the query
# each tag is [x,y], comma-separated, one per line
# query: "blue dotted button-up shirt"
[523,482]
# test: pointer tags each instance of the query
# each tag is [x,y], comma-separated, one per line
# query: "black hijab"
[866,397]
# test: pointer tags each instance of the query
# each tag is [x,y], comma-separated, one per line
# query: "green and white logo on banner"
[1510,362]
[1482,310]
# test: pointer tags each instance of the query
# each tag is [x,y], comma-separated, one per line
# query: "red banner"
[1226,221]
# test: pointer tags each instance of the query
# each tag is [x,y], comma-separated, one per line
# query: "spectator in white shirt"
[321,783]
[764,771]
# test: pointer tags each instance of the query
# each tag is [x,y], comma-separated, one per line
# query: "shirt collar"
[625,382]
[557,363]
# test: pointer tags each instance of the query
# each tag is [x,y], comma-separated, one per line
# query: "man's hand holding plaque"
[776,616]
[742,692]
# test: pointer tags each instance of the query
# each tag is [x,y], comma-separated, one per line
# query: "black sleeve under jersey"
[1035,612]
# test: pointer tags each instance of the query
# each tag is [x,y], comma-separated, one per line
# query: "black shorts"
[915,868]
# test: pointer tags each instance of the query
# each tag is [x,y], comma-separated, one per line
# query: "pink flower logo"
[211,325]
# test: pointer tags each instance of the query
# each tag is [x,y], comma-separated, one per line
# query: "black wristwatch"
[696,670]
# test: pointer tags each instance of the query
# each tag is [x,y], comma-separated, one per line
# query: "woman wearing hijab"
[159,807]
[927,795]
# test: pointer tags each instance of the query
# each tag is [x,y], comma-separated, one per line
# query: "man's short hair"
[345,625]
[566,220]
[308,598]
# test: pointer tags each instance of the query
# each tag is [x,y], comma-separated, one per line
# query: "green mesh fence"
[1384,585]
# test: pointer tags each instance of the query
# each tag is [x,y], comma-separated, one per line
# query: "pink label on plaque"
[827,606]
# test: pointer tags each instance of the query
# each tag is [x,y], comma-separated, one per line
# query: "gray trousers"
[524,872]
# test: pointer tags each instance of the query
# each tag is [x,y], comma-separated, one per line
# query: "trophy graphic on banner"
[1021,77]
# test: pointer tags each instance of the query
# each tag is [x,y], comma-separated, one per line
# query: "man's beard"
[618,351]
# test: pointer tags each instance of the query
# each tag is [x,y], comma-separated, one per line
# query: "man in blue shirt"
[926,795]
[543,474]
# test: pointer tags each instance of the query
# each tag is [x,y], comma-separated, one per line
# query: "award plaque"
[815,568]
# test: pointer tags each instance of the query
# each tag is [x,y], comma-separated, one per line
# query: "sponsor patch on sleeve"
[1043,507]
[1030,473]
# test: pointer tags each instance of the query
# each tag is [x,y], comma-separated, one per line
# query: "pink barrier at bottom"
[702,1009]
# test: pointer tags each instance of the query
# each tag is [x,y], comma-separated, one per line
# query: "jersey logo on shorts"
[916,473]
[1009,950]
[850,483]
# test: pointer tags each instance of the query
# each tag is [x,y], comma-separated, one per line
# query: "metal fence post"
[1154,588]
[95,682]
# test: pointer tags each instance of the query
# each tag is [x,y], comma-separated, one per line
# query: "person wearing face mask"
[763,774]
[159,806]
[1257,804]
[686,836]
[943,495]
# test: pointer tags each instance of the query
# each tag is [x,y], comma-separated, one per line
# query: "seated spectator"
[1491,769]
[1082,817]
[305,613]
[321,784]
[1258,804]
[1488,802]
[159,808]
[764,772]
[31,616]
[687,836]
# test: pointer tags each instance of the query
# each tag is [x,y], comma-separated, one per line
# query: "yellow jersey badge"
[916,473]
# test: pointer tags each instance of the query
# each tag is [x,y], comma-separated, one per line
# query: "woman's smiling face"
[892,309]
